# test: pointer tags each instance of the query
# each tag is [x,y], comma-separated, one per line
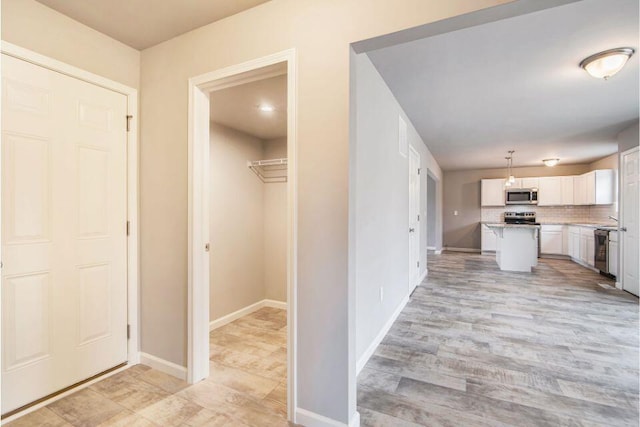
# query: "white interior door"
[64,253]
[629,221]
[414,218]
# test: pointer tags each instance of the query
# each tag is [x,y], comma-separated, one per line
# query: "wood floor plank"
[479,346]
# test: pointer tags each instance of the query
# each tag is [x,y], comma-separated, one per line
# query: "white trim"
[62,395]
[198,211]
[133,276]
[423,276]
[162,365]
[416,232]
[275,304]
[431,248]
[378,339]
[453,249]
[618,285]
[438,252]
[311,419]
[225,320]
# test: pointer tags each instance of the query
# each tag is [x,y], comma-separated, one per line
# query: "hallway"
[480,347]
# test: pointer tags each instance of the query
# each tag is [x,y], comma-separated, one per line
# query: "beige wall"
[462,193]
[321,32]
[609,162]
[275,227]
[34,26]
[236,223]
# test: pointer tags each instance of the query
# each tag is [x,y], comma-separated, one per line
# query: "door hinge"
[129,122]
[128,227]
[418,217]
[418,171]
[128,331]
[418,264]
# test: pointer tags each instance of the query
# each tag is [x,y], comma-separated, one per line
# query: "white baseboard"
[164,366]
[618,285]
[215,324]
[424,276]
[378,339]
[438,252]
[62,395]
[275,304]
[431,248]
[311,419]
[469,250]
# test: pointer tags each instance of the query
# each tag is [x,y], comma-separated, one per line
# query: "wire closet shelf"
[269,171]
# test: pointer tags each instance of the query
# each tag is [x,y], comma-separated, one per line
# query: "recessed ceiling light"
[605,64]
[266,108]
[550,162]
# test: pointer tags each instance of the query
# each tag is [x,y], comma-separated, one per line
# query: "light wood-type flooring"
[246,386]
[476,346]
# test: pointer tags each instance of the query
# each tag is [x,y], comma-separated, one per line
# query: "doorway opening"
[248,235]
[242,228]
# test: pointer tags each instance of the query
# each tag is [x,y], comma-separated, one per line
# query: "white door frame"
[412,282]
[621,216]
[133,349]
[198,256]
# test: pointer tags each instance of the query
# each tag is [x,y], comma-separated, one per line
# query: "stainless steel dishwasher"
[601,256]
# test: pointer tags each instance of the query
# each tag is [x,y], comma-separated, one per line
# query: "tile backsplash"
[577,214]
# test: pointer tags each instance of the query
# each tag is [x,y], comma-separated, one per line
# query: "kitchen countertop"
[605,226]
[503,225]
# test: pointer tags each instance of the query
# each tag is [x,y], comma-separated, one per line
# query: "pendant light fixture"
[510,178]
[605,64]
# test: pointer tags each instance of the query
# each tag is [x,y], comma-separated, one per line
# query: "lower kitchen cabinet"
[553,239]
[613,253]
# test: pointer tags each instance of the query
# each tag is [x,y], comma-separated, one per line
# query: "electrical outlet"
[455,213]
[381,293]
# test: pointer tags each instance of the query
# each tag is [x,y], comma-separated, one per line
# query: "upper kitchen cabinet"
[550,191]
[492,192]
[595,188]
[555,191]
[530,183]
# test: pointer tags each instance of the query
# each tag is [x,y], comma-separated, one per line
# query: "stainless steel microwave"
[521,196]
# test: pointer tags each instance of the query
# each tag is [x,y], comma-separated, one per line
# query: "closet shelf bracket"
[269,171]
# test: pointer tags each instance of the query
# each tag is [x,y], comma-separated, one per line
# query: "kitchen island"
[517,246]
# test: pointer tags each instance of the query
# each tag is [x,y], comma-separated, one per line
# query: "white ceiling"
[476,93]
[145,23]
[236,107]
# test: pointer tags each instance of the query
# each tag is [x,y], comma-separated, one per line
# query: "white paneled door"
[414,218]
[64,253]
[630,221]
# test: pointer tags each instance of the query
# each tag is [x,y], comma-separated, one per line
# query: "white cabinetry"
[530,183]
[488,239]
[567,190]
[595,188]
[550,191]
[580,190]
[587,246]
[492,192]
[553,239]
[613,253]
[574,243]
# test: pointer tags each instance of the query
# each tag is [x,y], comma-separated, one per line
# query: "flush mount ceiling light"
[550,162]
[266,108]
[605,64]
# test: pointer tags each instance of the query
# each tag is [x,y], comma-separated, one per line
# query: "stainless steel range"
[524,218]
[520,218]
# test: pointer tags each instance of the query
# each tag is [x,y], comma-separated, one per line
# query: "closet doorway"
[242,234]
[248,229]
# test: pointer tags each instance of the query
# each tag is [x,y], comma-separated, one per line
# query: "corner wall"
[36,27]
[236,223]
[381,188]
